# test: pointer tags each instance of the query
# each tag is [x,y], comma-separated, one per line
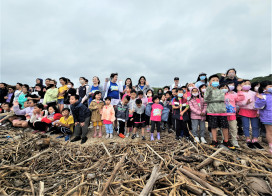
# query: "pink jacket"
[232,98]
[198,106]
[248,95]
[108,113]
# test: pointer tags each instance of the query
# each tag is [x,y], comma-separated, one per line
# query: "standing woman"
[51,95]
[95,87]
[142,85]
[61,92]
[113,89]
[128,82]
[202,79]
[82,90]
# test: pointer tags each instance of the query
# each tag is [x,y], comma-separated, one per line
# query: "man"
[176,84]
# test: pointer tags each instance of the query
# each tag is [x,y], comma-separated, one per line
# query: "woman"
[202,79]
[51,95]
[61,92]
[82,90]
[95,87]
[23,96]
[230,76]
[142,85]
[113,89]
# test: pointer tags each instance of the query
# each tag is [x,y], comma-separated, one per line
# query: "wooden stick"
[129,190]
[151,181]
[155,152]
[116,168]
[202,182]
[18,189]
[35,156]
[41,191]
[106,149]
[30,182]
[74,189]
[14,167]
[209,159]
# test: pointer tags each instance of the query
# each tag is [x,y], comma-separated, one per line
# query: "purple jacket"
[265,108]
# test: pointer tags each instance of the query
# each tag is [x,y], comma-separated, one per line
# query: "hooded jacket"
[108,113]
[197,106]
[95,108]
[80,111]
[121,112]
[265,108]
[215,98]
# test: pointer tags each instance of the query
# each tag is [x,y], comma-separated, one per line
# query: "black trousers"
[39,126]
[63,130]
[157,124]
[122,127]
[181,128]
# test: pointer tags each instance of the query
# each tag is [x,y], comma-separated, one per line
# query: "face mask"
[190,88]
[69,85]
[149,94]
[180,94]
[195,94]
[225,90]
[231,88]
[269,90]
[51,85]
[159,93]
[203,90]
[202,77]
[164,92]
[246,87]
[256,88]
[81,81]
[215,84]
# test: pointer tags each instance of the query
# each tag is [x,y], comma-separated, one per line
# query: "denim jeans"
[202,128]
[254,125]
[109,128]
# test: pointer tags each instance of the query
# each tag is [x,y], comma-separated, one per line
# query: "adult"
[47,83]
[230,76]
[3,92]
[142,85]
[71,92]
[61,92]
[95,87]
[82,90]
[176,84]
[128,82]
[202,79]
[10,96]
[18,91]
[23,96]
[51,95]
[113,88]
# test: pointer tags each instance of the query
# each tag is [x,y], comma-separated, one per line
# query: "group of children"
[226,102]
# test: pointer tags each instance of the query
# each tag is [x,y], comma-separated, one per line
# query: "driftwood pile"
[34,165]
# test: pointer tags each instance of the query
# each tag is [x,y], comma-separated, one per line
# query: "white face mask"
[225,90]
[256,88]
[195,94]
[69,85]
[190,88]
[82,81]
[203,90]
[149,94]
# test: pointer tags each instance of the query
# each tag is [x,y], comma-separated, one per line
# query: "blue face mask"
[180,94]
[269,90]
[215,84]
[202,77]
[225,90]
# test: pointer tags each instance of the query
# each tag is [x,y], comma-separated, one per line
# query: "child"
[149,95]
[198,115]
[122,113]
[264,103]
[65,125]
[180,107]
[37,115]
[216,110]
[61,92]
[142,97]
[139,118]
[47,121]
[23,96]
[202,89]
[249,113]
[81,116]
[155,117]
[23,114]
[108,117]
[96,108]
[6,113]
[131,107]
[128,90]
[231,98]
[168,97]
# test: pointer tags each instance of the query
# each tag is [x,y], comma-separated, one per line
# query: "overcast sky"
[154,38]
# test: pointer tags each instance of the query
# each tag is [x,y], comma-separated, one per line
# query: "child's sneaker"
[235,143]
[214,144]
[257,145]
[133,136]
[67,137]
[158,136]
[61,136]
[107,136]
[95,133]
[152,137]
[111,135]
[147,129]
[121,135]
[127,134]
[100,134]
[250,145]
[197,140]
[228,145]
[143,138]
[137,135]
[203,141]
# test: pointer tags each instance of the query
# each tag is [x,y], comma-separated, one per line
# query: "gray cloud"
[158,39]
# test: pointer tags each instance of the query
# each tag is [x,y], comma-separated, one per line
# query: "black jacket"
[80,111]
[3,93]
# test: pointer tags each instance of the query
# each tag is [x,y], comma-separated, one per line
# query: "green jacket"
[215,98]
[51,95]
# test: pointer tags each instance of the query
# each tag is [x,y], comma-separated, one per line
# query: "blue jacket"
[80,111]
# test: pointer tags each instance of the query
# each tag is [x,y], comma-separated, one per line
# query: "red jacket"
[56,116]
